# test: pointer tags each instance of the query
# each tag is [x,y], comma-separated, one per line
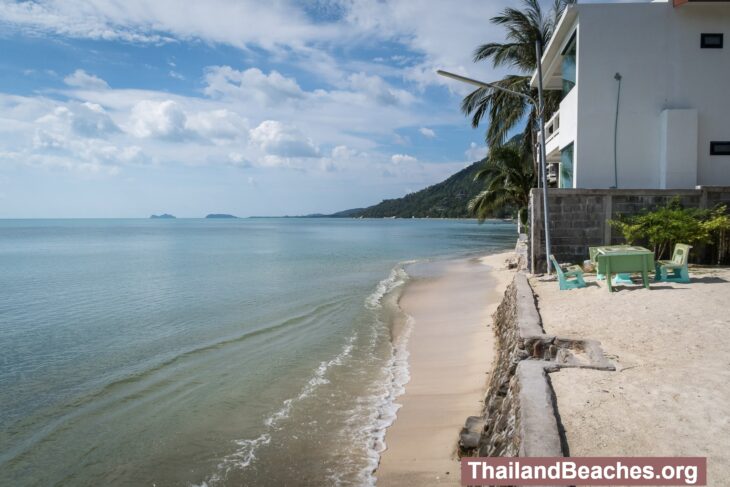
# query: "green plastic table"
[624,259]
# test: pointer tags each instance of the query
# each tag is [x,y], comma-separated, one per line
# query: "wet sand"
[451,351]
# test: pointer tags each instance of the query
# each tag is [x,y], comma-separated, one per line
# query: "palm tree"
[524,27]
[508,175]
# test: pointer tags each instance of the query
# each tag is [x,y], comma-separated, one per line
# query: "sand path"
[451,350]
[670,394]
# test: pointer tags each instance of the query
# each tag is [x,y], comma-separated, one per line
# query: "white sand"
[451,351]
[671,394]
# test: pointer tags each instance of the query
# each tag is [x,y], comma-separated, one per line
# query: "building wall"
[579,218]
[568,119]
[656,48]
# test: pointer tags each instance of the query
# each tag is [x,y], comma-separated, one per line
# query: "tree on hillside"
[504,110]
[508,175]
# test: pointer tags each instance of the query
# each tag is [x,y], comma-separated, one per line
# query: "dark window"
[568,68]
[566,167]
[711,41]
[720,148]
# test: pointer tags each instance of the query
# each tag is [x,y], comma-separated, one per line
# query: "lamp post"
[540,107]
[543,153]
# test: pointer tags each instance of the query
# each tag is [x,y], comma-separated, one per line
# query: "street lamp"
[539,105]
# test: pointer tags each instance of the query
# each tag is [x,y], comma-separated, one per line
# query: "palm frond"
[508,176]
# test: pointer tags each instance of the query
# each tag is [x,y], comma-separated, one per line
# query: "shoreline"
[450,347]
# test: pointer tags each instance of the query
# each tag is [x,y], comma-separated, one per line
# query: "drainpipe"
[617,77]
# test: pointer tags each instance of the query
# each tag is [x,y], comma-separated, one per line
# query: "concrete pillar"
[678,149]
[538,260]
[608,212]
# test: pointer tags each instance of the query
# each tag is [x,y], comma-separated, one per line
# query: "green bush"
[666,226]
[717,225]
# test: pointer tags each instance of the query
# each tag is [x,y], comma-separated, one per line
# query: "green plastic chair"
[570,278]
[593,255]
[674,270]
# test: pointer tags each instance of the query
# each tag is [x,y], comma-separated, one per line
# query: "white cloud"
[164,119]
[212,130]
[218,125]
[86,119]
[336,123]
[251,84]
[402,158]
[328,165]
[90,119]
[238,159]
[475,152]
[427,132]
[82,79]
[445,38]
[277,139]
[376,89]
[54,149]
[343,153]
[72,136]
[275,90]
[235,22]
[401,139]
[43,139]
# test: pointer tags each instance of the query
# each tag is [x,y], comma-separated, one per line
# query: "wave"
[104,397]
[381,407]
[385,404]
[397,278]
[374,413]
[317,380]
[245,454]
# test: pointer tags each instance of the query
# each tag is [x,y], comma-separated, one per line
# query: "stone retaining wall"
[519,417]
[579,218]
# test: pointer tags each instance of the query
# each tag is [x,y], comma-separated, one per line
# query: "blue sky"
[123,109]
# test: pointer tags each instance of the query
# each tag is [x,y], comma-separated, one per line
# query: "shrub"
[717,225]
[668,225]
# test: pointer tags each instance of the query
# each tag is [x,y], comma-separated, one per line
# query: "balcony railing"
[552,126]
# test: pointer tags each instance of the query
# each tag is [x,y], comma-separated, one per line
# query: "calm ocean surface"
[206,352]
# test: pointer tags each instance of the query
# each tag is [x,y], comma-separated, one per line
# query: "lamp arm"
[483,84]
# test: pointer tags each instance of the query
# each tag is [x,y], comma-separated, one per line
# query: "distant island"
[166,216]
[220,215]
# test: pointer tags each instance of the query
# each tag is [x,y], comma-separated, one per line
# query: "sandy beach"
[669,394]
[451,350]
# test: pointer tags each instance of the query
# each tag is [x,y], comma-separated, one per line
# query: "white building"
[671,62]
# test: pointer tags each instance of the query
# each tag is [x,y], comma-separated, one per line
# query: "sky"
[114,108]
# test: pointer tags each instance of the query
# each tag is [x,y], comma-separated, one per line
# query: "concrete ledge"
[519,416]
[538,424]
[528,318]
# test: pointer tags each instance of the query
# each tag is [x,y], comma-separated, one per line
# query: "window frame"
[572,44]
[705,45]
[714,151]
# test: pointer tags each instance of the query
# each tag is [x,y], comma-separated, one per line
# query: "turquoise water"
[199,352]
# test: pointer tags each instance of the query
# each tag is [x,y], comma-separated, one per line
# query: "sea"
[205,352]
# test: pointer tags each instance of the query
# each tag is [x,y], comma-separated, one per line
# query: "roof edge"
[562,29]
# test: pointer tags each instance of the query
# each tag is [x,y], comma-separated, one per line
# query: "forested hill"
[446,199]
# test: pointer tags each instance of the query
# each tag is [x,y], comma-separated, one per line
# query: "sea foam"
[245,453]
[382,404]
[397,278]
[385,406]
